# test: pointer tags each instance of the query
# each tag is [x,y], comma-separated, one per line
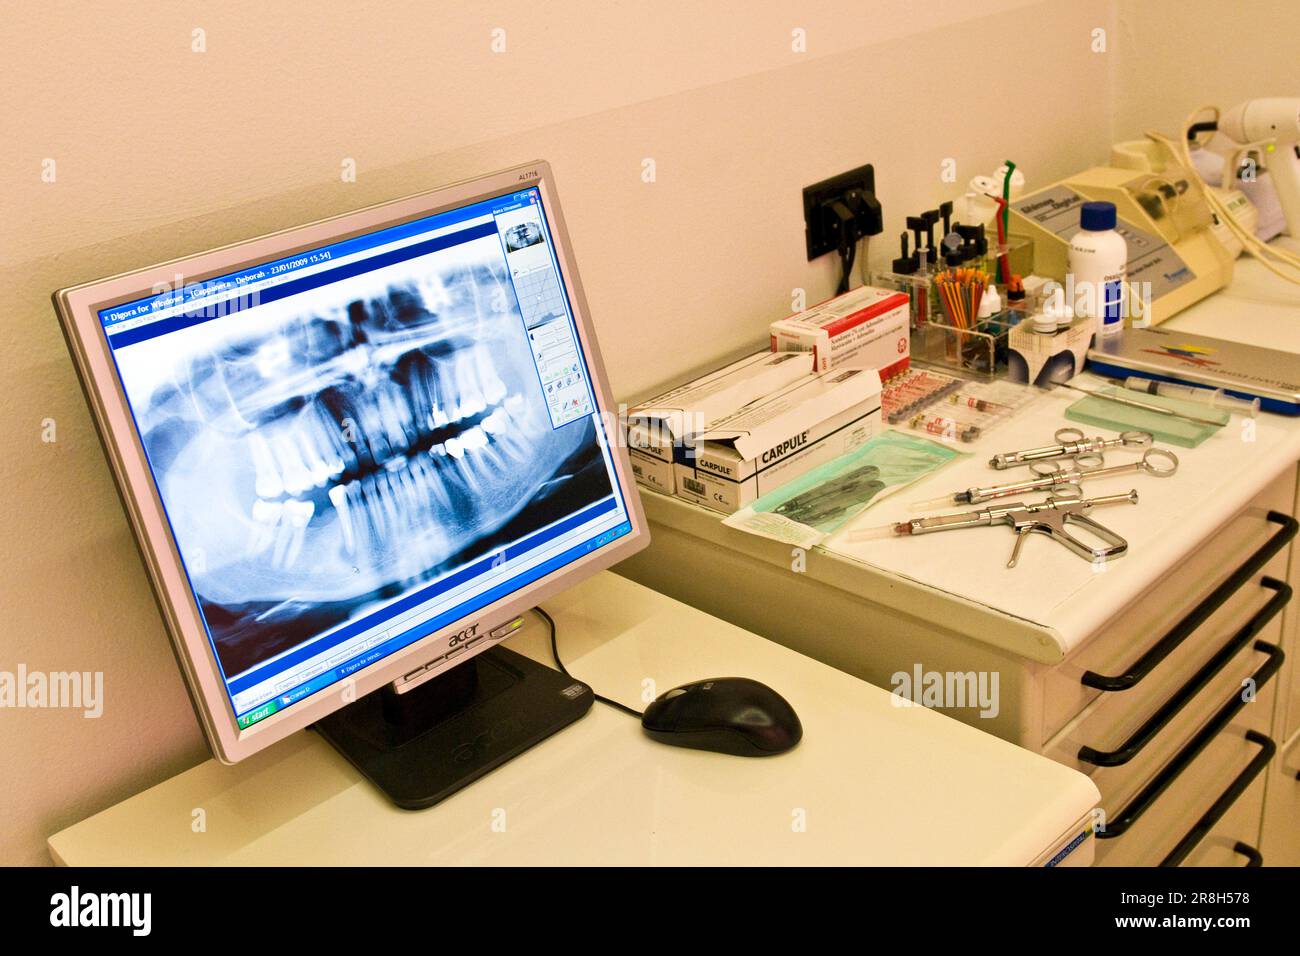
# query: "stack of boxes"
[735,434]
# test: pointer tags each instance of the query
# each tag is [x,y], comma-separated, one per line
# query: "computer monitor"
[354,453]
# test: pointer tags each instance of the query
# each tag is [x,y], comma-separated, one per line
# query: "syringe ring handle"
[1136,439]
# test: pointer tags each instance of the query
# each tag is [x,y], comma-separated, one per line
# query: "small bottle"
[1055,317]
[1098,258]
[1043,323]
[1058,309]
[990,302]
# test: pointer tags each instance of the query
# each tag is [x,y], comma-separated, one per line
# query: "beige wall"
[161,151]
[1174,56]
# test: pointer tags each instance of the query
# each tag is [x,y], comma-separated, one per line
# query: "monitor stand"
[422,746]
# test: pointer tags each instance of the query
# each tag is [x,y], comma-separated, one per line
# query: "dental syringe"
[1214,397]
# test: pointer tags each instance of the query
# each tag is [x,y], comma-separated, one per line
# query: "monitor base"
[422,746]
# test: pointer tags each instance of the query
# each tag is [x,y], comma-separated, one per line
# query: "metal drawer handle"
[1253,857]
[1181,760]
[1195,684]
[1226,799]
[1199,614]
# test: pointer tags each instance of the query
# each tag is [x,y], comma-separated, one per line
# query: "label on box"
[1048,358]
[652,472]
[864,328]
[801,412]
[707,486]
[668,423]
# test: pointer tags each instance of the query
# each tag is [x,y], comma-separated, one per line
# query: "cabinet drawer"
[1288,711]
[1122,752]
[1155,642]
[1172,811]
[1181,816]
[1234,841]
[1280,842]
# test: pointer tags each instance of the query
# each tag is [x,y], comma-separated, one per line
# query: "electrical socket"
[847,201]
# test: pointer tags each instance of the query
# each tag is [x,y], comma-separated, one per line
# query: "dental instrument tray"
[1245,371]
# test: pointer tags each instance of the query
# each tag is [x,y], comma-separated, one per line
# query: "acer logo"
[460,637]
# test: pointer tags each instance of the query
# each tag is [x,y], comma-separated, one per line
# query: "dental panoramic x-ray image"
[323,454]
[523,235]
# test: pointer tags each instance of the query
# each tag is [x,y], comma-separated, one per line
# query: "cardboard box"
[652,472]
[1047,359]
[668,423]
[770,442]
[866,327]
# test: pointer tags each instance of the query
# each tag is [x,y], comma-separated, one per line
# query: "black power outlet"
[840,211]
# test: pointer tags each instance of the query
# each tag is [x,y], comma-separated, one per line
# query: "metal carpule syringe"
[1052,518]
[999,514]
[1157,462]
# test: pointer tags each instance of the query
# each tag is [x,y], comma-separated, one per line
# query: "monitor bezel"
[78,308]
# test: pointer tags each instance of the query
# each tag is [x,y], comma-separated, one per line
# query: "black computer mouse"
[729,715]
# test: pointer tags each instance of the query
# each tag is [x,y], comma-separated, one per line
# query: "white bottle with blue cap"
[1098,261]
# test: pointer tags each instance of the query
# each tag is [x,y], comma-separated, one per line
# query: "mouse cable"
[555,652]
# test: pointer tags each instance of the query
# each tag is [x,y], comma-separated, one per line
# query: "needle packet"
[809,509]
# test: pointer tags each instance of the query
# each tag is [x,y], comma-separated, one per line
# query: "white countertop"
[1258,308]
[875,783]
[1053,586]
[1063,598]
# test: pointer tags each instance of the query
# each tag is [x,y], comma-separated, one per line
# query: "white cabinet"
[1181,706]
[1280,837]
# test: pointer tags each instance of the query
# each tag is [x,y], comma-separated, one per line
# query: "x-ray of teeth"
[523,235]
[323,454]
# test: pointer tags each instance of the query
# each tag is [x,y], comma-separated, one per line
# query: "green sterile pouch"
[807,510]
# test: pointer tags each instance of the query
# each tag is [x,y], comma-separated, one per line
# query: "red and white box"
[866,327]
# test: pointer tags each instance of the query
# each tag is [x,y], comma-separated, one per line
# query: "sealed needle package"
[809,509]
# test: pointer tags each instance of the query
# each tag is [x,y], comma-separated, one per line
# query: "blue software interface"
[362,443]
